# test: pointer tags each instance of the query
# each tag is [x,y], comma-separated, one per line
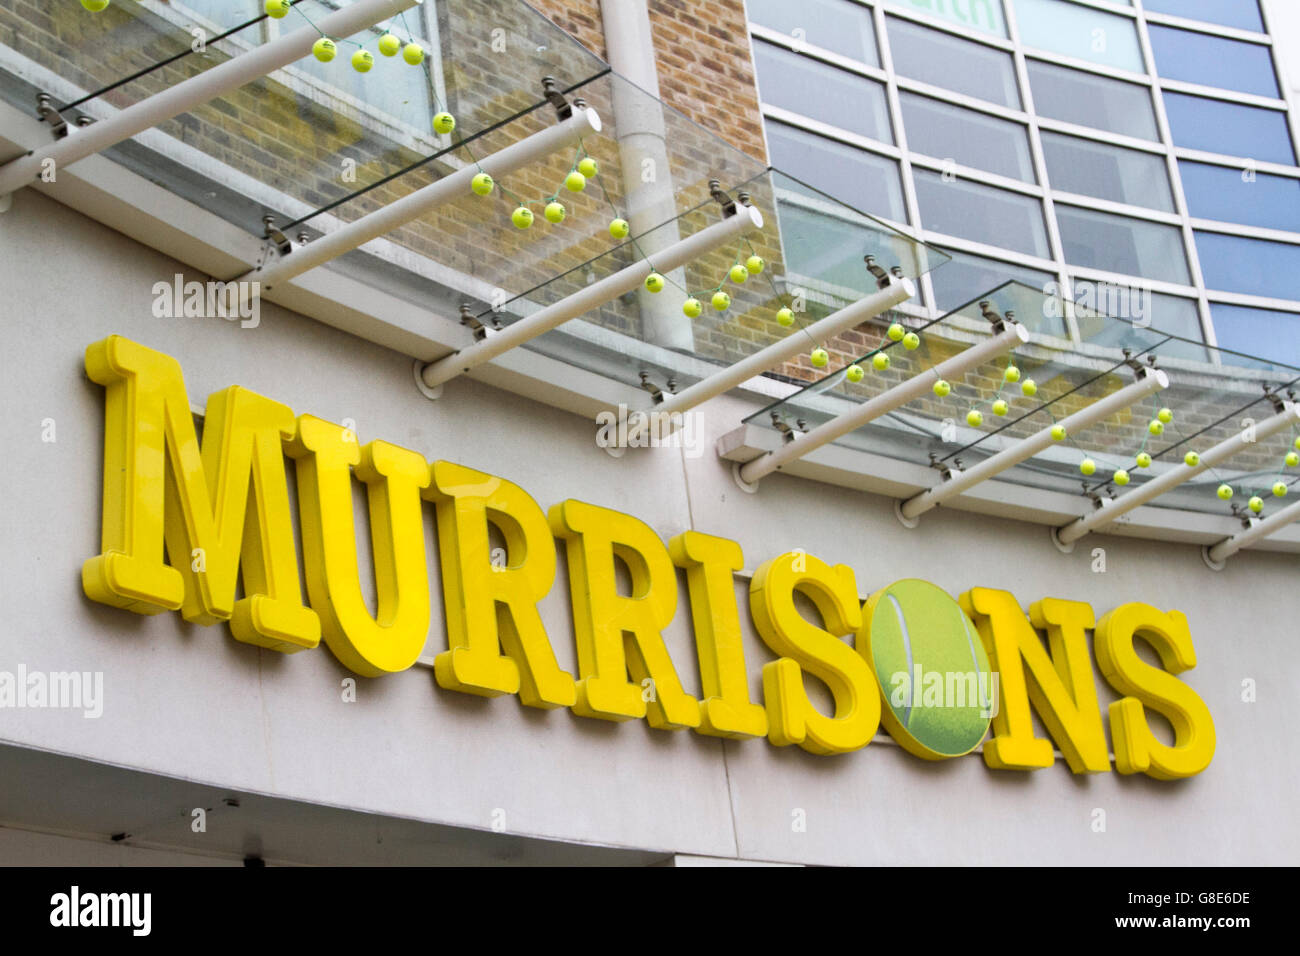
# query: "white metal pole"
[849,317]
[1256,532]
[1177,475]
[1013,335]
[746,220]
[186,95]
[413,205]
[1150,380]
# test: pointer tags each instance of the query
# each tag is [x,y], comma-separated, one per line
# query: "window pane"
[822,92]
[1249,266]
[1270,335]
[1073,96]
[1219,127]
[953,63]
[982,15]
[1166,314]
[966,276]
[1079,32]
[1213,61]
[865,181]
[1223,193]
[967,137]
[837,25]
[829,250]
[1099,240]
[1107,172]
[981,213]
[1243,14]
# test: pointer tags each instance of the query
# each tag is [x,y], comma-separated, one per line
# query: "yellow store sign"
[184,523]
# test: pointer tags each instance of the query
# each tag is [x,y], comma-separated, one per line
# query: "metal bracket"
[563,108]
[945,469]
[46,111]
[471,322]
[883,279]
[1276,400]
[999,322]
[655,391]
[781,425]
[722,199]
[276,237]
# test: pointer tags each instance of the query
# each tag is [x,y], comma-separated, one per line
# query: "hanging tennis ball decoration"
[692,308]
[754,265]
[911,341]
[721,301]
[1011,375]
[1058,433]
[1029,388]
[1296,444]
[819,357]
[896,332]
[413,53]
[554,213]
[1255,504]
[941,389]
[443,122]
[275,9]
[1225,492]
[1164,416]
[1156,427]
[738,274]
[1121,477]
[880,362]
[575,182]
[482,184]
[1292,459]
[389,45]
[974,418]
[654,282]
[95,6]
[1143,460]
[324,49]
[784,317]
[1191,459]
[1088,467]
[619,228]
[522,217]
[1000,407]
[1279,489]
[855,373]
[362,61]
[587,166]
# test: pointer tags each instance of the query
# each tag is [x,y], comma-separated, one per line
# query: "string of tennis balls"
[1280,487]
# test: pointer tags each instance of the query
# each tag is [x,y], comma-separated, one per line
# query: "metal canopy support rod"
[668,412]
[412,206]
[197,90]
[1217,554]
[884,403]
[746,220]
[1149,380]
[1105,514]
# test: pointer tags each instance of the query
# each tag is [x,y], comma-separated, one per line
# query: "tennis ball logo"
[931,668]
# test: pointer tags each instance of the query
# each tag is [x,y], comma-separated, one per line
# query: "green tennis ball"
[522,217]
[784,317]
[1296,444]
[974,418]
[554,212]
[1143,460]
[587,166]
[362,61]
[413,53]
[619,228]
[1088,466]
[654,282]
[911,341]
[896,332]
[880,362]
[931,668]
[1156,427]
[692,308]
[854,373]
[1000,407]
[324,49]
[738,273]
[1058,433]
[755,265]
[94,6]
[389,45]
[443,123]
[575,182]
[1292,459]
[721,301]
[1255,504]
[1279,489]
[1225,492]
[1029,388]
[275,9]
[1191,459]
[1165,416]
[1012,374]
[482,184]
[941,389]
[819,357]
[1120,477]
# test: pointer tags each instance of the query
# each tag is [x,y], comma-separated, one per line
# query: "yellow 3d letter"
[1137,750]
[1061,686]
[618,635]
[804,646]
[160,486]
[710,565]
[392,640]
[491,604]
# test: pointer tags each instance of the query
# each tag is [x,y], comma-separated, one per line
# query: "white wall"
[190,702]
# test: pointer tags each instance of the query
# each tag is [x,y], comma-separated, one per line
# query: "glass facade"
[1056,141]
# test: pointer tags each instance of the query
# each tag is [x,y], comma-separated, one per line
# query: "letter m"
[164,496]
